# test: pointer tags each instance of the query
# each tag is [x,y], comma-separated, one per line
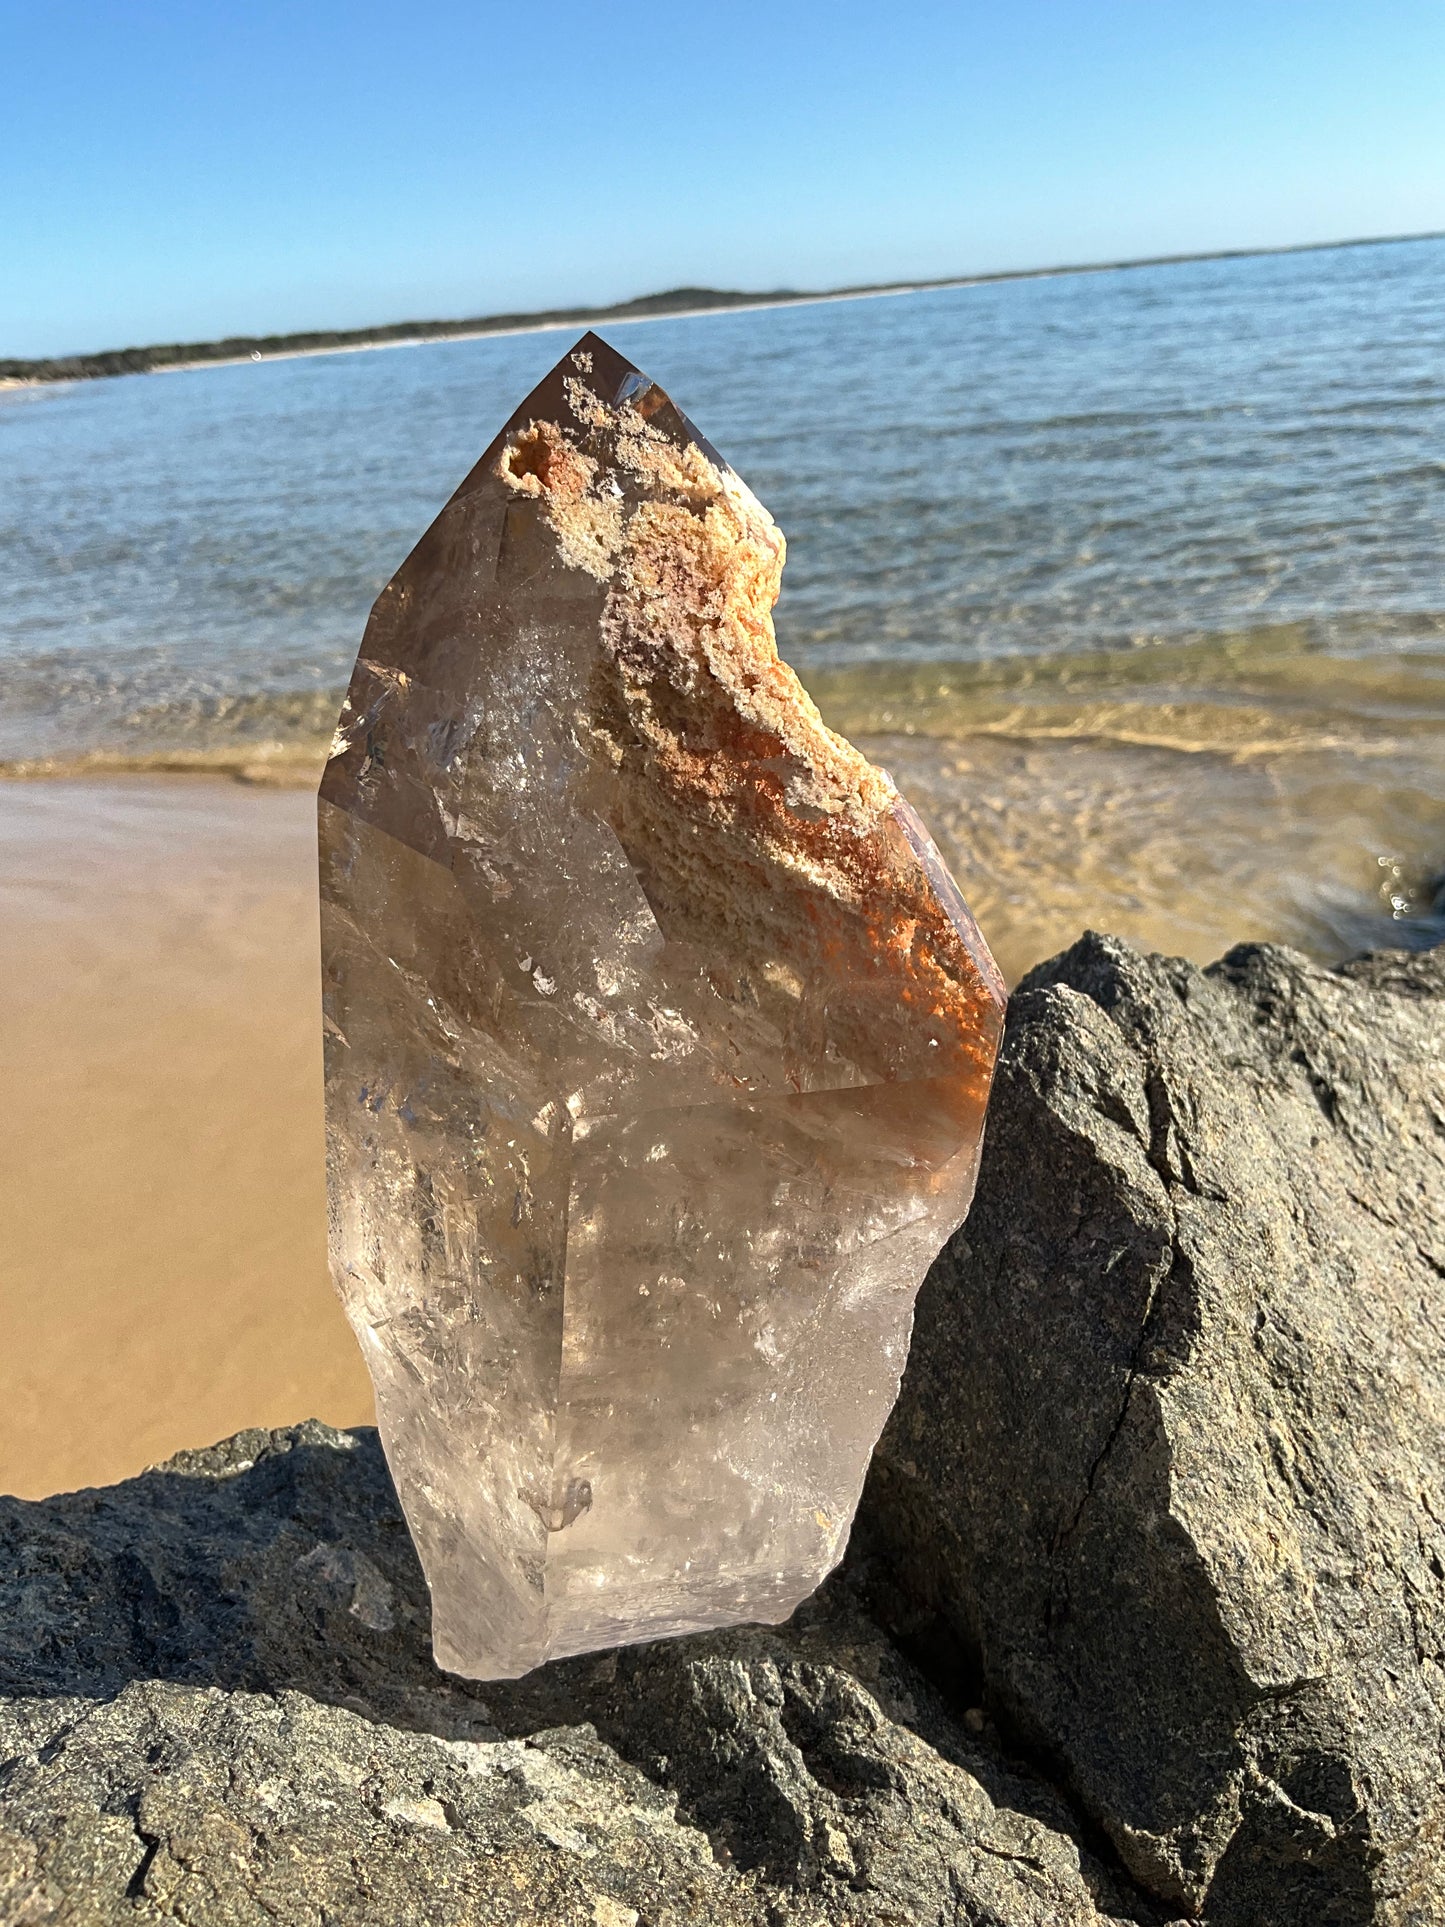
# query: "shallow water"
[1145,568]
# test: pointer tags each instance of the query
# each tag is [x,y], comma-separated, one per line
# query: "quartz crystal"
[658,1045]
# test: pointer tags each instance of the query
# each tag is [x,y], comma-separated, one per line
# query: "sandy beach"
[163,1278]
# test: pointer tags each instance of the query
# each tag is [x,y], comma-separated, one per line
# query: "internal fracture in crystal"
[658,1045]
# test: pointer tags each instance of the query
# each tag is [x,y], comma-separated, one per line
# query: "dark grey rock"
[217,1705]
[193,1804]
[1165,1482]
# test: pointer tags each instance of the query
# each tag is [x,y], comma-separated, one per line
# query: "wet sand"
[162,1272]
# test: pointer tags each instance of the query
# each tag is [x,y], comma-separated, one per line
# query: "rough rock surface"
[1166,1477]
[219,1706]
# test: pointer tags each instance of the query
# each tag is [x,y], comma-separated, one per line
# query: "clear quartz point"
[658,1045]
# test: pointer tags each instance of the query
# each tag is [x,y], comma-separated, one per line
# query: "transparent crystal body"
[658,1046]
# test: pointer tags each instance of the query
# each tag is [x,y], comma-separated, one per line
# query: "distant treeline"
[172,354]
[177,354]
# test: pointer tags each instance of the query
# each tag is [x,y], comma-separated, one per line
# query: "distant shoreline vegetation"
[675,301]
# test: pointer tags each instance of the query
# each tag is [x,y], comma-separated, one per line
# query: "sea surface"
[1136,580]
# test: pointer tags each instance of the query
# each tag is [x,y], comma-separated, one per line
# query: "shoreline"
[675,305]
[159,929]
[1194,694]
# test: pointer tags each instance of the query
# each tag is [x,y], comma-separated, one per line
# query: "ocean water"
[1136,580]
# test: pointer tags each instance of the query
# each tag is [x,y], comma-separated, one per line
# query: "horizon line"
[674,303]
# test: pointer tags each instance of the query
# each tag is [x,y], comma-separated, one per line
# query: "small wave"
[265,736]
[262,715]
[295,765]
[1244,693]
[1268,690]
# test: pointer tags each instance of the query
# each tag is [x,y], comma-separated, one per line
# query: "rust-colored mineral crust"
[658,1042]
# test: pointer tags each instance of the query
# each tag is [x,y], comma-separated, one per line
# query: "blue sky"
[178,171]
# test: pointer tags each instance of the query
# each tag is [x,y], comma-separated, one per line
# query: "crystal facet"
[659,1041]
